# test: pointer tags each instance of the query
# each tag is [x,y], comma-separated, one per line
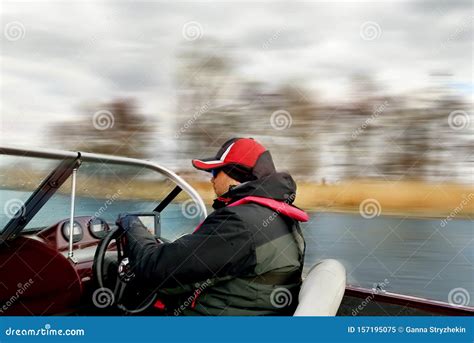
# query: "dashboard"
[41,258]
[87,233]
[51,284]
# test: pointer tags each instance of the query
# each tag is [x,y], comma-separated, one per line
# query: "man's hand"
[124,220]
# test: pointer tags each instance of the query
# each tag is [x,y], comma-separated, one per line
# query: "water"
[420,257]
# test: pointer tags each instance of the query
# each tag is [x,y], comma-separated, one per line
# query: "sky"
[59,55]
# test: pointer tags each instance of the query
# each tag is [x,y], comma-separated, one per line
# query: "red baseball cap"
[243,152]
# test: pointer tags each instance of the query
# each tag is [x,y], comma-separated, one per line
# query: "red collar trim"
[278,206]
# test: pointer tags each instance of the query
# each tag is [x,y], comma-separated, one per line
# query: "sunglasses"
[215,172]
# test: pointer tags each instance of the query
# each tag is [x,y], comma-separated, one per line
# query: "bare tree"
[112,128]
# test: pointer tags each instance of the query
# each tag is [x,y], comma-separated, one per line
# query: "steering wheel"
[116,279]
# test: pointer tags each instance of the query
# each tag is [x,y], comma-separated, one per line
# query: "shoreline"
[413,199]
[402,199]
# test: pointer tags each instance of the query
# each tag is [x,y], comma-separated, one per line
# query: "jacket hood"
[277,186]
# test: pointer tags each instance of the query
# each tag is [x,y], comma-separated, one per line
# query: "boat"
[61,253]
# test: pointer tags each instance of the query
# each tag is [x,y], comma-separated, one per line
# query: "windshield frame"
[69,162]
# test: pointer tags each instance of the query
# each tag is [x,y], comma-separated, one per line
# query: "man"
[246,258]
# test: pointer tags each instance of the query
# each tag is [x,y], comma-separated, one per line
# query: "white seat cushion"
[322,290]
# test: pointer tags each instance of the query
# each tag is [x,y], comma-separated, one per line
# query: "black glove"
[124,220]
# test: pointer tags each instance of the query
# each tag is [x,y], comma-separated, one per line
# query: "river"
[419,257]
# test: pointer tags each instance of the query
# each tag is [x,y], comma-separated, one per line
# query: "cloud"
[76,52]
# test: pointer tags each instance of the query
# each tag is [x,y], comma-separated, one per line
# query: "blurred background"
[337,90]
[365,103]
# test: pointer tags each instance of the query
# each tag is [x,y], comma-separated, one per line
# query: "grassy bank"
[390,198]
[395,198]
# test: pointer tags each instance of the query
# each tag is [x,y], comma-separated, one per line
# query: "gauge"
[77,231]
[98,228]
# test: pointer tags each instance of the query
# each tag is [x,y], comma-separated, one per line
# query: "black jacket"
[250,247]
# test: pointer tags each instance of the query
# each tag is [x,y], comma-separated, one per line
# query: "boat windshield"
[19,178]
[103,190]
